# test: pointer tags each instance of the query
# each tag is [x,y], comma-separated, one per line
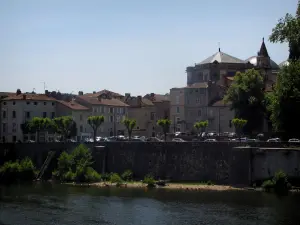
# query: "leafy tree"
[239,125]
[284,102]
[246,95]
[201,125]
[288,30]
[65,126]
[39,124]
[95,122]
[165,125]
[130,125]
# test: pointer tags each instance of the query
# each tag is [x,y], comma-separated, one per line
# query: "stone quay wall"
[221,162]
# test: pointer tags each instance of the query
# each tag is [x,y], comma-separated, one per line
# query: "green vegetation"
[23,170]
[246,95]
[65,126]
[279,183]
[39,124]
[149,180]
[130,125]
[201,126]
[127,175]
[165,125]
[116,179]
[76,166]
[95,122]
[239,124]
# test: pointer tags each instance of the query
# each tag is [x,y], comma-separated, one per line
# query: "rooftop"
[221,57]
[113,94]
[102,101]
[27,97]
[73,105]
[157,97]
[198,85]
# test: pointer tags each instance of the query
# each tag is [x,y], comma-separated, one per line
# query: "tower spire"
[298,10]
[263,49]
[219,47]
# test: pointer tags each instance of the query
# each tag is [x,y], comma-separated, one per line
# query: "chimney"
[127,95]
[46,92]
[80,92]
[24,97]
[99,98]
[139,101]
[152,95]
[94,92]
[18,92]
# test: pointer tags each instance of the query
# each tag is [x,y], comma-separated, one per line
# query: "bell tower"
[263,60]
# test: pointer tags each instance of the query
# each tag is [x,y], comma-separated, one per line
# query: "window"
[14,103]
[202,90]
[3,139]
[111,110]
[14,138]
[230,123]
[14,127]
[4,114]
[81,128]
[27,115]
[45,103]
[118,119]
[137,128]
[53,103]
[81,118]
[3,127]
[52,115]
[177,110]
[178,120]
[177,99]
[4,103]
[199,112]
[111,119]
[44,114]
[197,100]
[35,103]
[152,116]
[14,114]
[27,103]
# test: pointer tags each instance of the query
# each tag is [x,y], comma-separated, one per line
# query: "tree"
[165,125]
[246,95]
[239,125]
[288,30]
[130,125]
[284,103]
[65,126]
[201,125]
[95,122]
[38,124]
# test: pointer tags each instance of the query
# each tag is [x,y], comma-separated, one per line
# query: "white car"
[178,140]
[273,140]
[294,140]
[210,140]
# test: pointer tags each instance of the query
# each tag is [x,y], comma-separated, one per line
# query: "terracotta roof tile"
[73,105]
[95,101]
[113,94]
[157,97]
[31,97]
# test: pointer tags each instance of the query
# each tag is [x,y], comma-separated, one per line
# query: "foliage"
[38,124]
[201,125]
[65,126]
[165,125]
[284,102]
[25,127]
[127,175]
[288,30]
[95,122]
[106,176]
[23,170]
[115,178]
[149,180]
[279,183]
[130,125]
[76,166]
[246,95]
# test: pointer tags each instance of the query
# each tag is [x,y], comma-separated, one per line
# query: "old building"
[80,114]
[18,108]
[143,111]
[110,106]
[207,83]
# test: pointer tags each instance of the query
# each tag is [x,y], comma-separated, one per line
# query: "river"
[47,204]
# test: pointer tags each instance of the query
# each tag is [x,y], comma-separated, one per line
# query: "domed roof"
[284,63]
[253,61]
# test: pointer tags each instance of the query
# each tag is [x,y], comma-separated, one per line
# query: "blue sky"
[126,46]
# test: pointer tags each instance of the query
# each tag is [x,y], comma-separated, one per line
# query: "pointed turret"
[263,52]
[298,10]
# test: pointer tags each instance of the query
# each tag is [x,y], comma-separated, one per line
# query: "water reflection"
[59,204]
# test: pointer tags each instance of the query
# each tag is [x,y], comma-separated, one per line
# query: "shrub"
[268,185]
[127,175]
[279,183]
[149,180]
[91,175]
[115,178]
[106,176]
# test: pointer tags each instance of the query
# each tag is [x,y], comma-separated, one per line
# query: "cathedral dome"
[253,61]
[284,63]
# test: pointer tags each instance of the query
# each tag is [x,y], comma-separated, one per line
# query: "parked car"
[252,140]
[210,140]
[273,140]
[178,140]
[294,140]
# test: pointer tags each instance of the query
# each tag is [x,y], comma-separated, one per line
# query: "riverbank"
[171,186]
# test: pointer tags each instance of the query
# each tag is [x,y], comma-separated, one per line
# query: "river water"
[46,204]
